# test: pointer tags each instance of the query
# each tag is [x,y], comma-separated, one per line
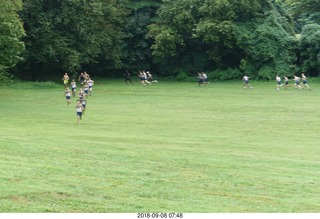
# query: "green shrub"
[183,76]
[5,78]
[266,73]
[225,74]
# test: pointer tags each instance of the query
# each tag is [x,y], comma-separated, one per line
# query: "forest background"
[42,39]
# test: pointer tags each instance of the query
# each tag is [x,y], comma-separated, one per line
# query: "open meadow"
[168,147]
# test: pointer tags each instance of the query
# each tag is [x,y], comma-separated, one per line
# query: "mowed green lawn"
[169,147]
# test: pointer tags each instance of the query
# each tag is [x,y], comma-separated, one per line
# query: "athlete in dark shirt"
[128,77]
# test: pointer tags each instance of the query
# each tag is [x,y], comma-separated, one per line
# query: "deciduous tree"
[304,12]
[11,32]
[248,35]
[136,50]
[309,48]
[66,35]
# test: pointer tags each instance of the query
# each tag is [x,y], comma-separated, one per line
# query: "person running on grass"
[286,82]
[81,92]
[145,76]
[205,78]
[304,81]
[73,87]
[67,94]
[150,77]
[141,78]
[200,79]
[79,109]
[128,77]
[86,76]
[81,78]
[83,103]
[245,80]
[297,81]
[90,83]
[278,80]
[65,79]
[86,89]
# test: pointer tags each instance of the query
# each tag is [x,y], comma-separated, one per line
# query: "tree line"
[172,38]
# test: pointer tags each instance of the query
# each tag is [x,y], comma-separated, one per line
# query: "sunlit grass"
[169,147]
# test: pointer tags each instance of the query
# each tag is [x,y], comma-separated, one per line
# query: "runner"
[128,77]
[278,79]
[297,81]
[65,79]
[73,87]
[245,80]
[286,82]
[67,93]
[141,78]
[86,76]
[83,103]
[145,78]
[304,81]
[81,92]
[90,83]
[200,79]
[86,89]
[81,78]
[205,78]
[149,77]
[79,109]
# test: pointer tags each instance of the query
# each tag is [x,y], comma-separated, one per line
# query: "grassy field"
[169,147]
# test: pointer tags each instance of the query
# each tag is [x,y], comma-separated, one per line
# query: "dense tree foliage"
[11,32]
[268,41]
[67,35]
[304,12]
[137,52]
[307,20]
[174,38]
[253,36]
[309,49]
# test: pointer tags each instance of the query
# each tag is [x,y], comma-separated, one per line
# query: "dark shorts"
[67,97]
[79,114]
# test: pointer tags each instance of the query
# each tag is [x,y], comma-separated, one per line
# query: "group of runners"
[86,84]
[145,77]
[297,83]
